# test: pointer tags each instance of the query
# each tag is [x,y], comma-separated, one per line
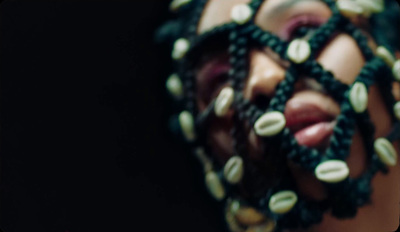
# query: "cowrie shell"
[224,101]
[332,171]
[181,46]
[187,125]
[298,51]
[269,226]
[349,8]
[359,97]
[385,55]
[282,202]
[249,216]
[230,209]
[396,70]
[270,124]
[396,110]
[174,86]
[176,4]
[233,170]
[215,186]
[241,13]
[386,152]
[371,6]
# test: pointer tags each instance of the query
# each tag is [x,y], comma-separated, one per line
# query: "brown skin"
[343,58]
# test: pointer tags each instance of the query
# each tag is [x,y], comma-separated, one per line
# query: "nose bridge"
[264,75]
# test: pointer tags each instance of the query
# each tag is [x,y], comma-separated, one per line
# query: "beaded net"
[344,195]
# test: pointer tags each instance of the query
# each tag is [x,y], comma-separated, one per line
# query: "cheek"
[217,12]
[343,58]
[379,114]
[220,139]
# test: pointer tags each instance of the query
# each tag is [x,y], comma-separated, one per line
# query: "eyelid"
[271,20]
[302,20]
[213,69]
[212,76]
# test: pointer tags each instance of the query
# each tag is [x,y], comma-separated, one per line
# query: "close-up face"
[311,111]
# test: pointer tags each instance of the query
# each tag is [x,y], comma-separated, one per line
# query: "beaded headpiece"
[280,206]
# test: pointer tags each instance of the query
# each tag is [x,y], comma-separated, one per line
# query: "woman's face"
[309,102]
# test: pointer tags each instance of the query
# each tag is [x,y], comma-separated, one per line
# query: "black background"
[85,145]
[84,142]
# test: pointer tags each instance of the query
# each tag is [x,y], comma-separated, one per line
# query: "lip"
[311,125]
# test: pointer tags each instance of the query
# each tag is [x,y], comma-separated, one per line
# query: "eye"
[211,79]
[300,26]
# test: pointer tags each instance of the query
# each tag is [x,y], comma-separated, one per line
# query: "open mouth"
[311,126]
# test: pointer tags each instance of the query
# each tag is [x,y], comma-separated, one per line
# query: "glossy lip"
[311,125]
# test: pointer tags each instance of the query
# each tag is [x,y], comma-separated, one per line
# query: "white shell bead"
[371,6]
[224,101]
[176,4]
[396,70]
[349,8]
[215,186]
[396,110]
[174,86]
[241,13]
[187,125]
[231,208]
[332,171]
[233,170]
[270,124]
[181,46]
[298,51]
[268,226]
[282,202]
[386,152]
[385,55]
[359,97]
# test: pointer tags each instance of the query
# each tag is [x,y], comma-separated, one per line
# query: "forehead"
[217,12]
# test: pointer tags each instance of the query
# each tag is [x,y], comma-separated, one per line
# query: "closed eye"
[300,26]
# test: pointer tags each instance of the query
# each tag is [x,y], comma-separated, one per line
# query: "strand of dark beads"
[238,52]
[367,132]
[239,139]
[267,39]
[395,133]
[360,39]
[341,143]
[301,155]
[256,4]
[204,118]
[385,84]
[189,91]
[193,23]
[284,91]
[369,71]
[363,189]
[325,32]
[331,3]
[333,86]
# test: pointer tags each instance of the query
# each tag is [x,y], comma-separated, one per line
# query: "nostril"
[261,101]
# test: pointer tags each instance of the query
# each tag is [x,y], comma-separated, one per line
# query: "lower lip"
[316,135]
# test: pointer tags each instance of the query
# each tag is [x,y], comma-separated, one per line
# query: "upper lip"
[300,114]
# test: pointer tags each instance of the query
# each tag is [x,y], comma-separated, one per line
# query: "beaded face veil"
[280,206]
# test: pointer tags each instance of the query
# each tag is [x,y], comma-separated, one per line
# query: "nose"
[264,76]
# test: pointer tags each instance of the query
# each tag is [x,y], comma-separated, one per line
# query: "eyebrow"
[276,11]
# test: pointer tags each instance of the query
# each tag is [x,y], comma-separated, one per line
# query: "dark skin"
[343,58]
